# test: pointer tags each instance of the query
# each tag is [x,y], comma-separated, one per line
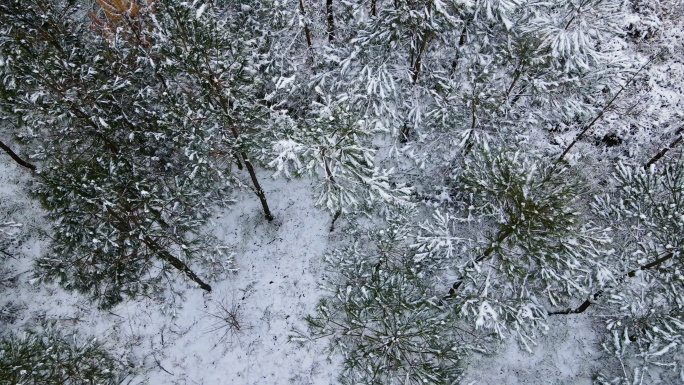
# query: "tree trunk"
[405,132]
[585,305]
[330,176]
[374,10]
[307,31]
[250,169]
[503,234]
[237,161]
[335,217]
[331,20]
[259,191]
[419,59]
[16,157]
[518,72]
[159,251]
[663,151]
[416,67]
[461,41]
[176,263]
[602,112]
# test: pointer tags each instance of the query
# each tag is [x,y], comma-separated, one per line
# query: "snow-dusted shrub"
[48,357]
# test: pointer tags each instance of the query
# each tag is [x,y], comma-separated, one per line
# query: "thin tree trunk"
[577,12]
[250,169]
[416,67]
[328,173]
[518,72]
[307,31]
[238,162]
[331,20]
[259,191]
[503,234]
[255,181]
[332,179]
[13,257]
[405,130]
[602,112]
[518,95]
[585,305]
[16,157]
[474,120]
[419,59]
[423,46]
[176,263]
[461,42]
[225,105]
[335,217]
[469,141]
[374,10]
[663,151]
[160,252]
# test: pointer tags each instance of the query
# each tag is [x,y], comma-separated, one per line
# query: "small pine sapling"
[383,316]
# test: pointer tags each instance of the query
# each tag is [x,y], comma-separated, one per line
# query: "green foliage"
[129,167]
[385,318]
[336,148]
[647,211]
[50,357]
[515,238]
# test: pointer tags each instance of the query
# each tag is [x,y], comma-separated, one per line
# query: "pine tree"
[128,168]
[49,357]
[519,228]
[645,302]
[213,54]
[330,144]
[383,316]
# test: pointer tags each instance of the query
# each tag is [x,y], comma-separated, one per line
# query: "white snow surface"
[280,265]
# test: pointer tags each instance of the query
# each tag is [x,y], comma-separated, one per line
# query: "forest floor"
[280,264]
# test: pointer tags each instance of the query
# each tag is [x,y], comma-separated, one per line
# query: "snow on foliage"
[493,164]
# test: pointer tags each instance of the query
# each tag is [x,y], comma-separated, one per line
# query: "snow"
[238,334]
[200,11]
[568,354]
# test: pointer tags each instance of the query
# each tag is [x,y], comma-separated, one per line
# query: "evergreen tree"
[645,302]
[518,244]
[214,55]
[128,168]
[383,316]
[332,145]
[49,357]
